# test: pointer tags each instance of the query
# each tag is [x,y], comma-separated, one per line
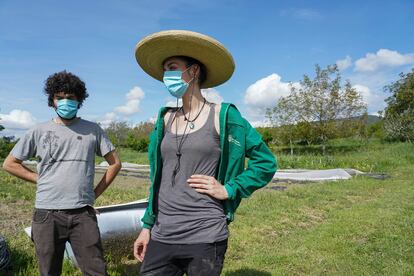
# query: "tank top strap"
[210,120]
[170,118]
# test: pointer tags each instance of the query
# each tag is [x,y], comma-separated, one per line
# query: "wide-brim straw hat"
[154,49]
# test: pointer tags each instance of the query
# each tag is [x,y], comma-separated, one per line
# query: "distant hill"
[372,119]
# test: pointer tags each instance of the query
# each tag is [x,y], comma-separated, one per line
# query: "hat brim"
[154,49]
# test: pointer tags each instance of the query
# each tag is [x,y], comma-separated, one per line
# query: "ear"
[196,70]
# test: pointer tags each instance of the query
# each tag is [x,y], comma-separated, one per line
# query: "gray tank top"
[184,215]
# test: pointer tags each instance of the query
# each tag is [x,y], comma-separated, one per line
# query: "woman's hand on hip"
[141,243]
[205,184]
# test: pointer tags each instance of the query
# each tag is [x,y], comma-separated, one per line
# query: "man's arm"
[113,169]
[15,167]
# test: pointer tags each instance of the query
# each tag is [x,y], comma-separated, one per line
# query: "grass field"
[361,226]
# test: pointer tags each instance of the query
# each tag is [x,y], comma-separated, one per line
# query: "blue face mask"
[67,108]
[175,84]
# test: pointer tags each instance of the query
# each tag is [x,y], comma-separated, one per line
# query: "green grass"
[367,157]
[361,226]
[129,155]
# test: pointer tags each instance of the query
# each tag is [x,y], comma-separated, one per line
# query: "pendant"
[191,125]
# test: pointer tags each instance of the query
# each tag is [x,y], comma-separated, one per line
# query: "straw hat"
[154,49]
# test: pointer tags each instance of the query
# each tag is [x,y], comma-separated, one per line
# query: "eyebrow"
[170,63]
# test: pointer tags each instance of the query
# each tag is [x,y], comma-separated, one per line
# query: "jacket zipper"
[222,136]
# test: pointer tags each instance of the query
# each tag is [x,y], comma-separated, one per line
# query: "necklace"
[191,122]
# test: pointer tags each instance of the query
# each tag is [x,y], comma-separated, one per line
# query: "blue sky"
[272,42]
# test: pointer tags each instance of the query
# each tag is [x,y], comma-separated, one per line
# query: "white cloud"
[173,103]
[303,14]
[364,91]
[108,119]
[212,95]
[135,93]
[111,116]
[373,100]
[131,107]
[133,98]
[260,123]
[344,63]
[263,94]
[307,14]
[17,119]
[267,91]
[153,119]
[383,58]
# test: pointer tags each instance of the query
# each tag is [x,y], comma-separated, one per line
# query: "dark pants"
[51,229]
[177,259]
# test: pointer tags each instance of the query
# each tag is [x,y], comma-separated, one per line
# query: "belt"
[68,211]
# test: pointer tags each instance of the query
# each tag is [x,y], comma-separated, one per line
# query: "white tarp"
[288,175]
[125,165]
[312,175]
[128,167]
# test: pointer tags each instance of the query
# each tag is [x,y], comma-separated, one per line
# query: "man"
[66,148]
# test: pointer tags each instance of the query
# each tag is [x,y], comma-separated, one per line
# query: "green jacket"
[238,140]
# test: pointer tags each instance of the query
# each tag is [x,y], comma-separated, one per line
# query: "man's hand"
[205,184]
[141,243]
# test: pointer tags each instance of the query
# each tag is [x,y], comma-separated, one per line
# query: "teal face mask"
[67,108]
[175,84]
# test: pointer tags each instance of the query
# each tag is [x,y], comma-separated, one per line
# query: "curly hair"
[65,82]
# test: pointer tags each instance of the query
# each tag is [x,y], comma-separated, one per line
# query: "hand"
[205,184]
[141,243]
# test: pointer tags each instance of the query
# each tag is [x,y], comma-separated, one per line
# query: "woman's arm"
[260,170]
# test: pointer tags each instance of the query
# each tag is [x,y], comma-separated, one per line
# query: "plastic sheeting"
[311,175]
[297,175]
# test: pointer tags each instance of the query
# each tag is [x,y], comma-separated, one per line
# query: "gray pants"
[51,229]
[203,259]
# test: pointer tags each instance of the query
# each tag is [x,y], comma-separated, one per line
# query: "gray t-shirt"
[67,161]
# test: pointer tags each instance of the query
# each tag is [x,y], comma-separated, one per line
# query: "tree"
[143,130]
[137,138]
[118,133]
[320,106]
[266,133]
[1,127]
[6,143]
[284,115]
[399,113]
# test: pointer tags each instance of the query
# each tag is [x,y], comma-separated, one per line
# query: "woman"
[197,155]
